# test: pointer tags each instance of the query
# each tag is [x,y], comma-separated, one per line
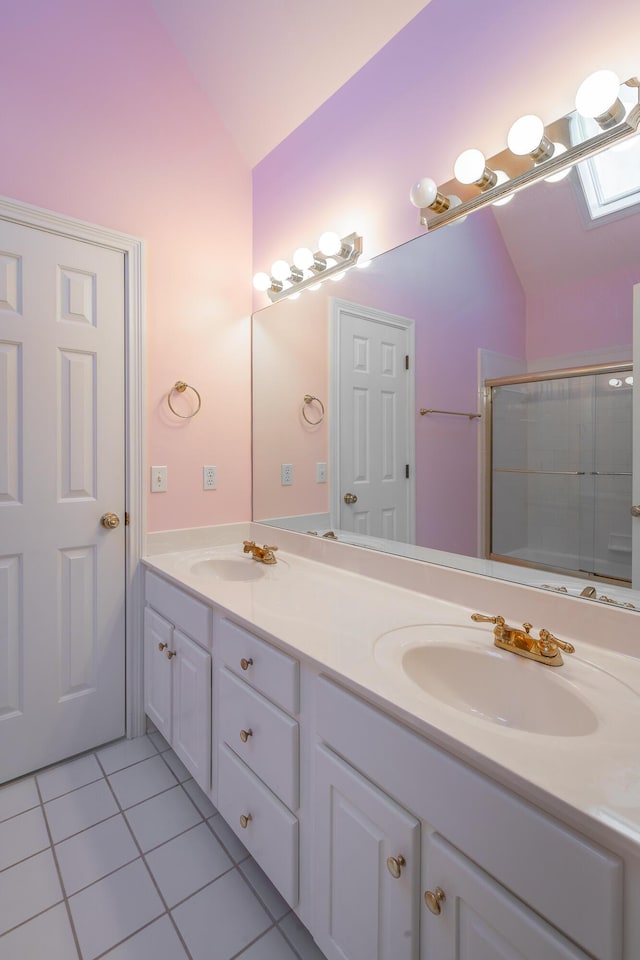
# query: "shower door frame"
[597,369]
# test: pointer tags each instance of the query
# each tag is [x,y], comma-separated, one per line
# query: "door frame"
[635,469]
[336,308]
[133,249]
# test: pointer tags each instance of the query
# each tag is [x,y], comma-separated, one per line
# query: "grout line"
[238,956]
[59,872]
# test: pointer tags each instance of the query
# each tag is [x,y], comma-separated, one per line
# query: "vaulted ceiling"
[266,65]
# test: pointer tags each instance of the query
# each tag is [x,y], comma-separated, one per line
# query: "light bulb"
[615,382]
[337,276]
[424,193]
[281,270]
[469,166]
[454,202]
[558,150]
[303,258]
[363,264]
[628,381]
[525,135]
[262,281]
[294,296]
[330,243]
[314,286]
[597,98]
[501,177]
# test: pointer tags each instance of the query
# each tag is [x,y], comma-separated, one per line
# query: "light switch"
[158,479]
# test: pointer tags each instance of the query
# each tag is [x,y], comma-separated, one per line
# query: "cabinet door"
[363,912]
[479,919]
[192,707]
[158,632]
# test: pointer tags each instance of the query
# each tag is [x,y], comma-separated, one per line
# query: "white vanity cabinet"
[177,673]
[258,779]
[516,882]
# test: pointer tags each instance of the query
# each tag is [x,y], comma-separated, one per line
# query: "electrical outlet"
[321,473]
[286,474]
[209,478]
[158,479]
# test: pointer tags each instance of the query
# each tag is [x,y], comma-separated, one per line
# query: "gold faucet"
[262,554]
[544,649]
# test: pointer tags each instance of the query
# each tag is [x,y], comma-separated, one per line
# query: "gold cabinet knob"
[245,664]
[110,521]
[434,899]
[395,865]
[162,646]
[350,498]
[169,654]
[245,734]
[244,820]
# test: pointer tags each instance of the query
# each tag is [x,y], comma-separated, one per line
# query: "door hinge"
[406,471]
[126,519]
[406,361]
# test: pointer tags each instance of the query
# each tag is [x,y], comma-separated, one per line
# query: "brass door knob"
[245,734]
[635,510]
[244,820]
[110,521]
[162,646]
[169,654]
[350,498]
[434,899]
[395,865]
[245,664]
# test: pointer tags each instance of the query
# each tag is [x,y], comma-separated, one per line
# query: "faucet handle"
[265,547]
[483,618]
[548,642]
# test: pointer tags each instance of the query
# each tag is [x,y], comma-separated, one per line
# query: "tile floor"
[118,854]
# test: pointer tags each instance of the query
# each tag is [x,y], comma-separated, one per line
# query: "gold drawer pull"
[245,734]
[245,664]
[434,899]
[169,654]
[244,820]
[395,865]
[162,646]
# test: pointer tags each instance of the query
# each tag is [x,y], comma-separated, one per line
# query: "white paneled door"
[373,458]
[62,442]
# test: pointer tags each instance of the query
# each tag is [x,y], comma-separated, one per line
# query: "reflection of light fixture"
[471,167]
[526,138]
[613,106]
[628,381]
[424,193]
[615,382]
[598,98]
[334,256]
[502,177]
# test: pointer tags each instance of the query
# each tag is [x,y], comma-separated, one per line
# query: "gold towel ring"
[180,386]
[309,399]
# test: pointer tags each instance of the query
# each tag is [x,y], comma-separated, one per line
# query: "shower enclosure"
[560,470]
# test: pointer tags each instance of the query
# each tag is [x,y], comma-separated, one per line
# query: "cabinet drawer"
[265,668]
[552,868]
[272,747]
[184,611]
[271,835]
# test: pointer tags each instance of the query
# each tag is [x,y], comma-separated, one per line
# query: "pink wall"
[451,79]
[102,121]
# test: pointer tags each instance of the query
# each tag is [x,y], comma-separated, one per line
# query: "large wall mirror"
[539,487]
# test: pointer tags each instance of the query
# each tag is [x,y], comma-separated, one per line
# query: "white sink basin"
[230,565]
[460,667]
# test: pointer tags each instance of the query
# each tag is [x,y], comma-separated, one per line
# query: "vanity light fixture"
[308,269]
[535,152]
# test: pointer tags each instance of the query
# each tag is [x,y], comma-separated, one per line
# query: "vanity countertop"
[338,619]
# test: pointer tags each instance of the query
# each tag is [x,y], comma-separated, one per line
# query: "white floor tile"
[22,836]
[125,752]
[80,809]
[222,919]
[177,766]
[272,946]
[141,781]
[114,908]
[27,889]
[18,797]
[68,776]
[234,847]
[260,882]
[163,817]
[94,853]
[200,799]
[158,941]
[188,862]
[159,742]
[300,938]
[47,937]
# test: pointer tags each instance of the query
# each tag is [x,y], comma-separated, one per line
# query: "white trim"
[336,307]
[135,493]
[635,469]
